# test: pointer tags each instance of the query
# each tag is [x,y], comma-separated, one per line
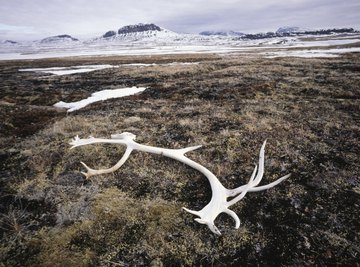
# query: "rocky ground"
[307,109]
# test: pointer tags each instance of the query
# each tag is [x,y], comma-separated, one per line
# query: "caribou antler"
[219,201]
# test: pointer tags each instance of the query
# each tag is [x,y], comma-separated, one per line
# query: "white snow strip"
[311,53]
[69,70]
[121,51]
[323,43]
[156,64]
[99,96]
[87,68]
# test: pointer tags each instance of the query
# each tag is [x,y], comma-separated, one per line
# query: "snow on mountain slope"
[142,39]
[151,33]
[222,33]
[289,29]
[137,32]
[64,38]
[9,42]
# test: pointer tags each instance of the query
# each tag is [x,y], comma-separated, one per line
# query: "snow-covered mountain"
[64,38]
[151,38]
[139,28]
[109,34]
[138,32]
[9,42]
[289,29]
[222,33]
[151,33]
[297,31]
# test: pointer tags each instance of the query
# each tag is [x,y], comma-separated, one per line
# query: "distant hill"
[296,31]
[221,33]
[9,42]
[139,28]
[288,29]
[59,39]
[150,33]
[138,32]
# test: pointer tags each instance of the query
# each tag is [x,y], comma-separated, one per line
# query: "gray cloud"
[41,18]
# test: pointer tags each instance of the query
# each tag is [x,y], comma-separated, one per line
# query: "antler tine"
[188,149]
[260,172]
[192,211]
[234,216]
[91,172]
[254,181]
[268,186]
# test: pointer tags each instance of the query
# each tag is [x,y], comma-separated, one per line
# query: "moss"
[128,230]
[57,249]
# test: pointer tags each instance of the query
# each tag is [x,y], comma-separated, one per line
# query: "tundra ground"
[308,109]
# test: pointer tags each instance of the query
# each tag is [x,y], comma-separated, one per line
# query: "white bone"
[219,201]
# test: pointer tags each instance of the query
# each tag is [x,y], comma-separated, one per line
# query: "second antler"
[219,201]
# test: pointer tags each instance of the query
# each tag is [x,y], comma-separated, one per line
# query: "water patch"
[99,96]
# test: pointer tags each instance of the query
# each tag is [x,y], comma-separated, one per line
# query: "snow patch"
[99,96]
[311,53]
[88,68]
[330,42]
[69,70]
[156,64]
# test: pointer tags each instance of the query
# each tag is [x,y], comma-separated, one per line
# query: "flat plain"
[308,110]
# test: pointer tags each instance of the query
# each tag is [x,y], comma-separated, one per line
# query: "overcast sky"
[35,19]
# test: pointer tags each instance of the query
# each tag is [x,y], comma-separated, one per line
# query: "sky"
[37,19]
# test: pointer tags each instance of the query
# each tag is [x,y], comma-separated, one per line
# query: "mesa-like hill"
[138,32]
[64,38]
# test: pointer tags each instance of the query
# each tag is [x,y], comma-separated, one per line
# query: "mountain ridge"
[59,38]
[136,32]
[221,33]
[153,32]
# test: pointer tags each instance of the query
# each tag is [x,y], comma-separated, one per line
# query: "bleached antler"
[219,201]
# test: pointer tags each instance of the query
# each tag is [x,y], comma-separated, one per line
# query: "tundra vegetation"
[307,108]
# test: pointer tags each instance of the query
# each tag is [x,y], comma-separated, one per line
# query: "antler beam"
[219,201]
